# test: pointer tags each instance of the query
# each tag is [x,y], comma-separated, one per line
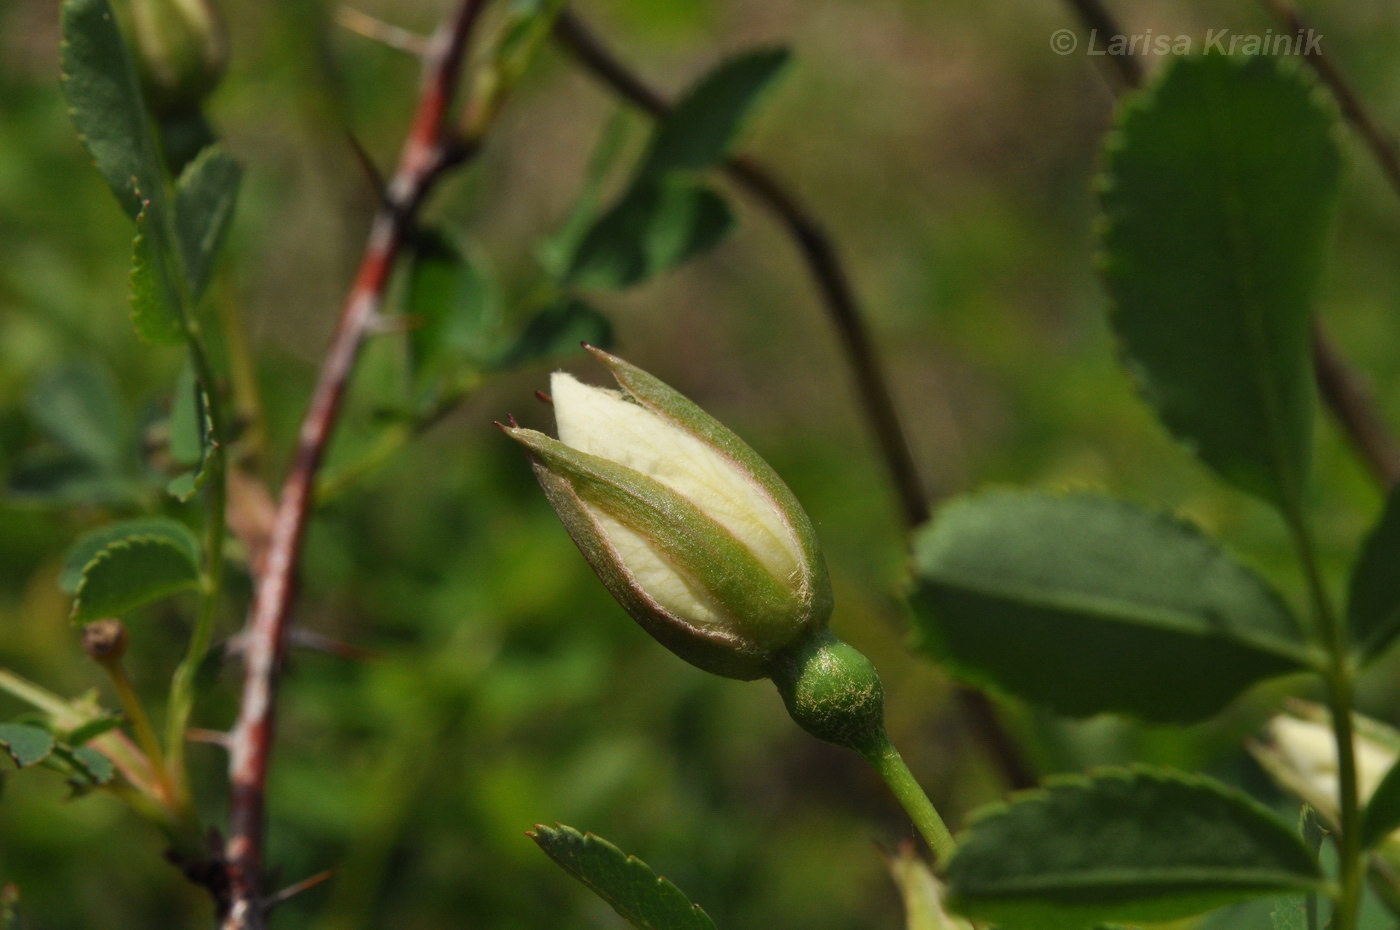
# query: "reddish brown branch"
[1343,390]
[828,272]
[431,147]
[818,252]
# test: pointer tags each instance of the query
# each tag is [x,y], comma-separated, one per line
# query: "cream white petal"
[607,424]
[676,594]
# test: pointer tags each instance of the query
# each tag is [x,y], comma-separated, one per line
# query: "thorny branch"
[431,148]
[1343,389]
[829,273]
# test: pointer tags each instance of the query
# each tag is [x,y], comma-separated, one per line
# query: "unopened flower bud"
[105,641]
[691,531]
[1301,755]
[181,50]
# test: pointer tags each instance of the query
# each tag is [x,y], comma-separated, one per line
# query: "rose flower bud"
[693,533]
[181,47]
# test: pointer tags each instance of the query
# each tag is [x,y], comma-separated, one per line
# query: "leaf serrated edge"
[108,551]
[586,837]
[1136,773]
[1107,222]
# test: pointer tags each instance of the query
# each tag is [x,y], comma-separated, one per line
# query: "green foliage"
[627,883]
[87,548]
[1140,845]
[134,571]
[657,225]
[1290,913]
[1373,604]
[1220,183]
[455,307]
[79,407]
[1382,815]
[1087,604]
[204,200]
[104,94]
[557,331]
[88,766]
[191,434]
[666,217]
[25,744]
[706,123]
[155,302]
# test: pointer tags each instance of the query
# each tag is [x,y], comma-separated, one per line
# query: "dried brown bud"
[105,641]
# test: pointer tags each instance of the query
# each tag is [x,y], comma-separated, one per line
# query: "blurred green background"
[953,156]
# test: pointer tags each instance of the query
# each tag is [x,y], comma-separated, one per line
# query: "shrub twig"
[432,147]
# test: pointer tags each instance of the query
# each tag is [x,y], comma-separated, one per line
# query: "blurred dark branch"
[828,272]
[818,251]
[1382,146]
[1097,19]
[431,148]
[1343,389]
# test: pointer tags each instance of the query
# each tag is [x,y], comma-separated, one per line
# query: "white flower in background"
[1301,754]
[688,528]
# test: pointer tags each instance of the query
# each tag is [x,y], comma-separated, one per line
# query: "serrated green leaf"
[1138,845]
[624,882]
[657,225]
[26,745]
[556,332]
[79,407]
[1382,815]
[155,303]
[82,552]
[455,307]
[1220,182]
[705,124]
[90,766]
[1373,604]
[100,81]
[131,573]
[1087,604]
[204,201]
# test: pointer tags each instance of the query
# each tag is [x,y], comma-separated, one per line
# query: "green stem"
[1341,692]
[890,764]
[182,686]
[40,698]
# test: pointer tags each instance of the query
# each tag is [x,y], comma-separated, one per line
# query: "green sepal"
[767,614]
[667,402]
